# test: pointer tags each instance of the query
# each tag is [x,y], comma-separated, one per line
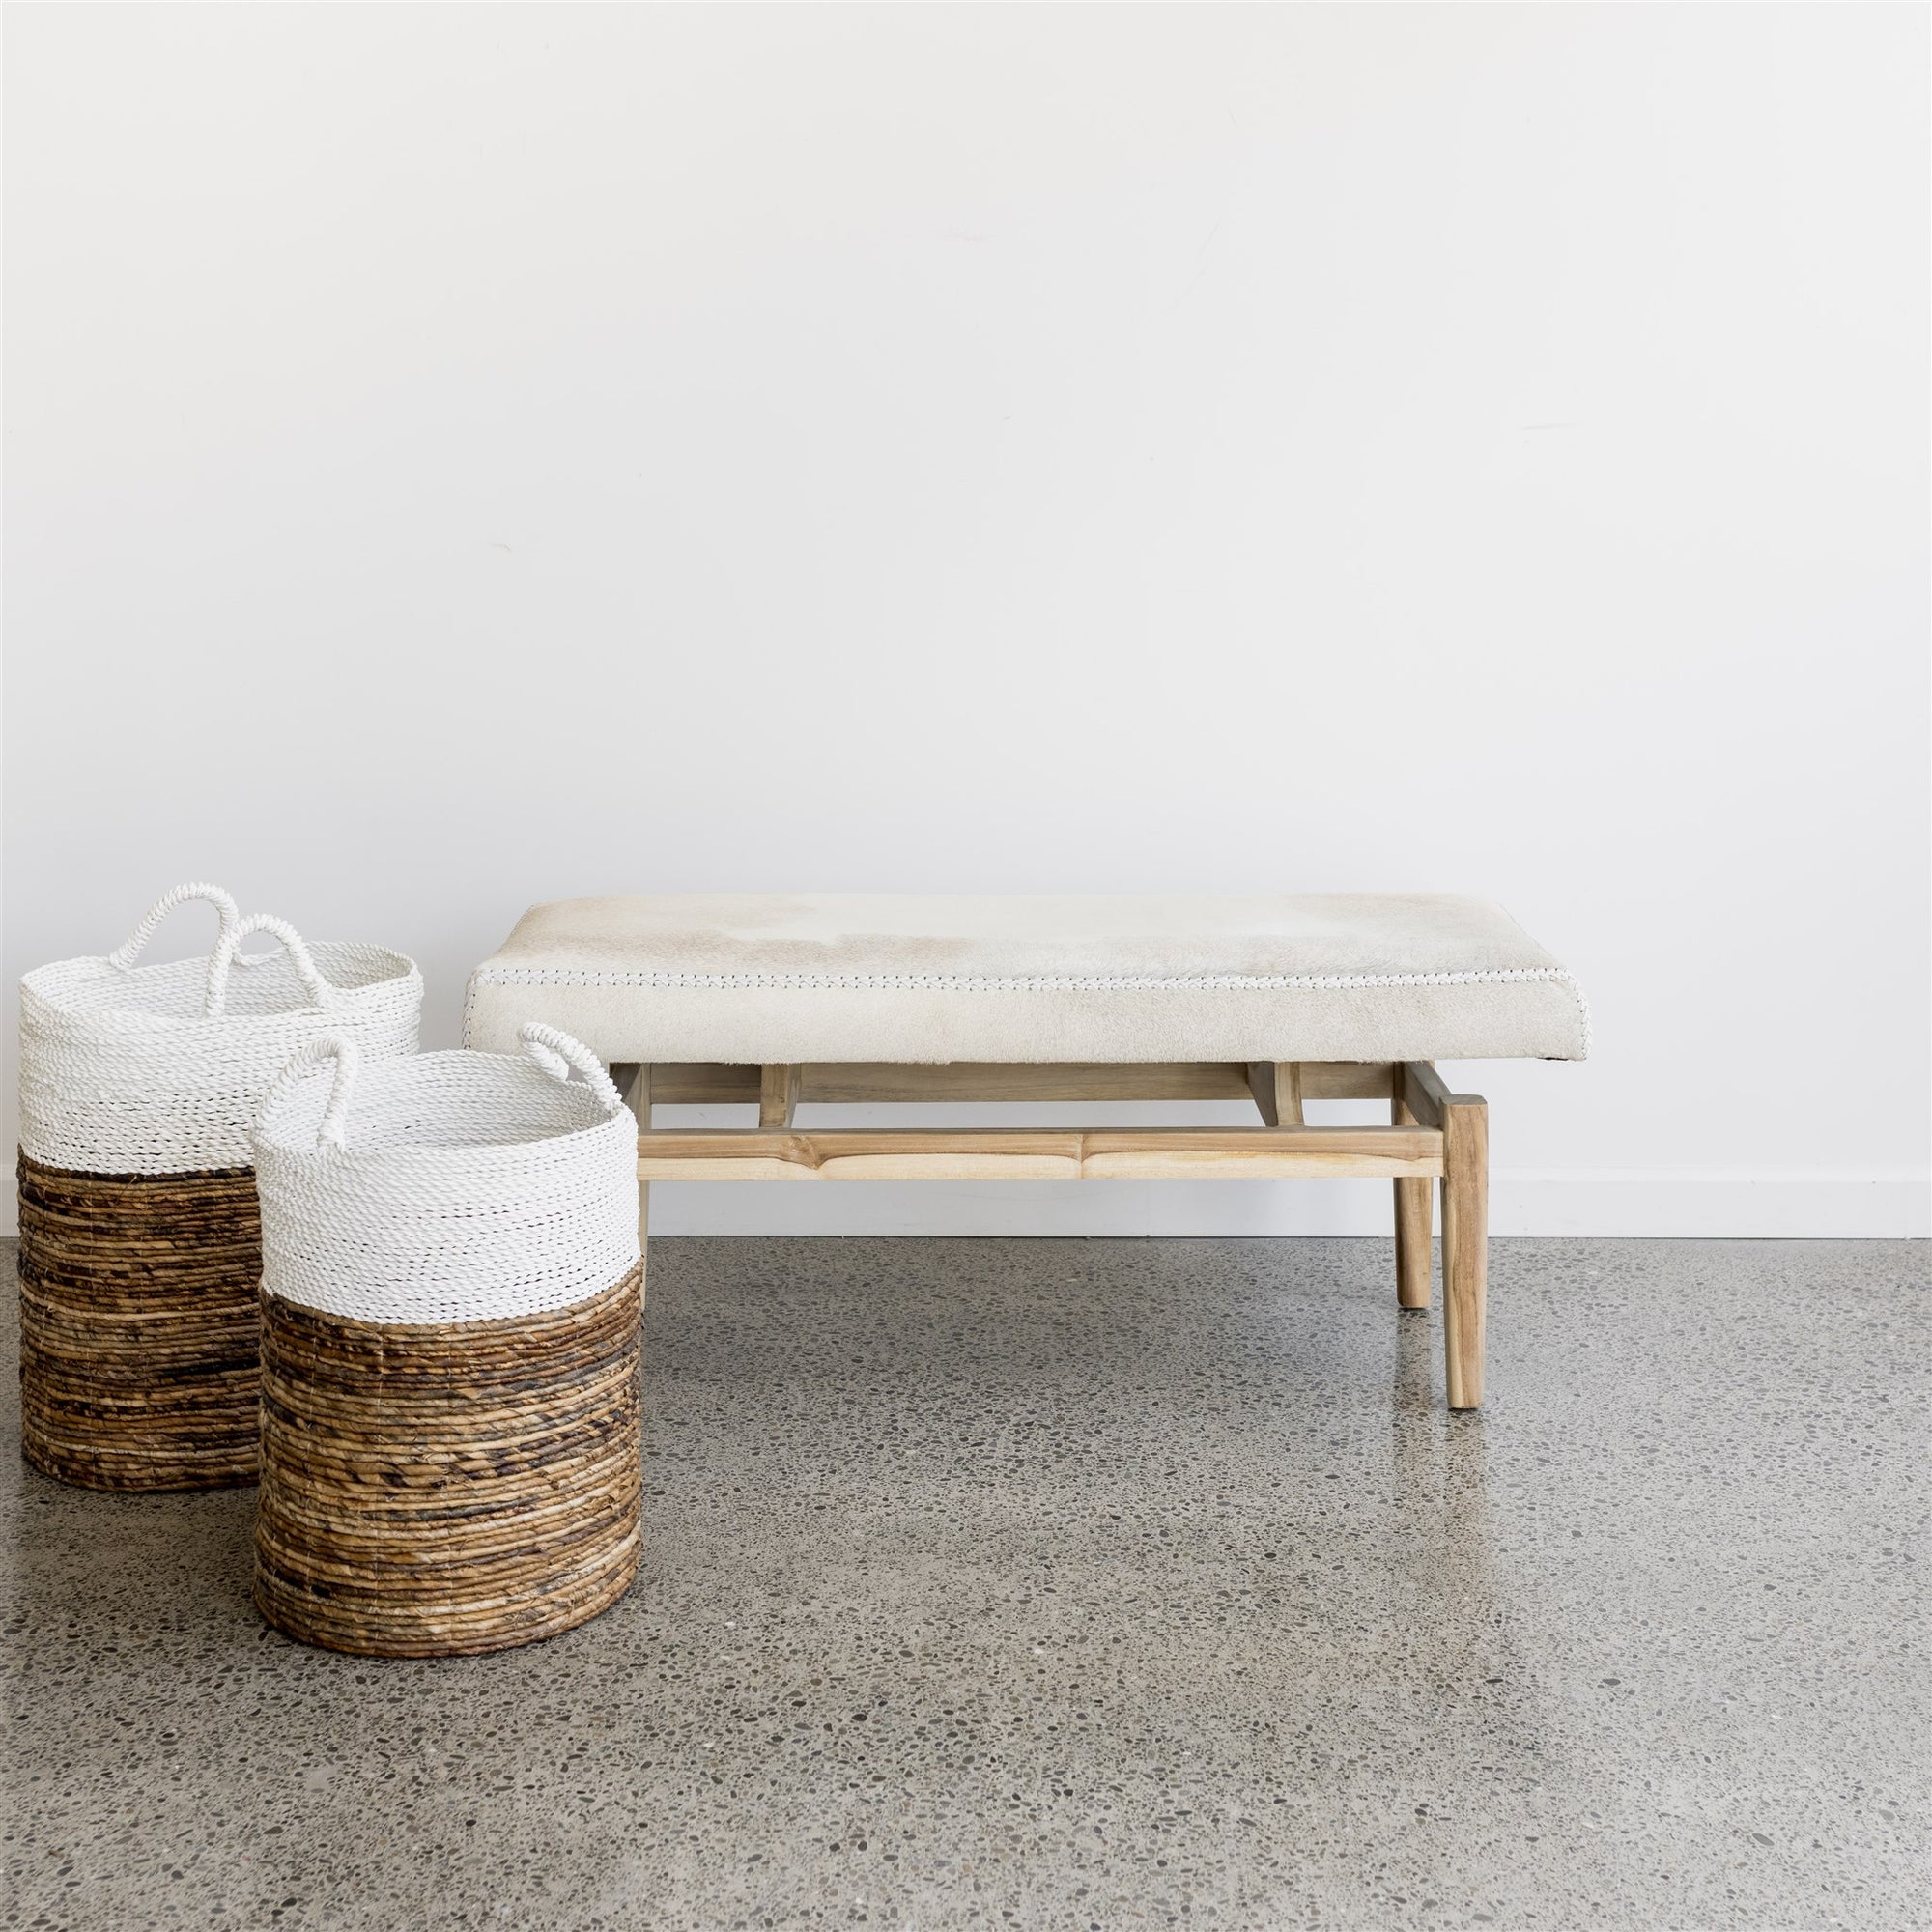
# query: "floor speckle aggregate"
[1087,1585]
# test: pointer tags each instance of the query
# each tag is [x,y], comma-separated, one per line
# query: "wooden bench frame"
[1432,1135]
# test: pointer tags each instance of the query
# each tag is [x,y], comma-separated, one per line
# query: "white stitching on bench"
[1042,982]
[1045,983]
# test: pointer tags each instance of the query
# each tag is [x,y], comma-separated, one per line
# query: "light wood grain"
[860,1083]
[1276,1088]
[1261,1086]
[703,1083]
[634,1082]
[1422,1091]
[863,1083]
[1412,1235]
[850,1154]
[1288,1093]
[1465,1243]
[1278,1153]
[983,1154]
[1345,1079]
[778,1095]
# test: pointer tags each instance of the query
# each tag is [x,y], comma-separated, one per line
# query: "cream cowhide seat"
[777,998]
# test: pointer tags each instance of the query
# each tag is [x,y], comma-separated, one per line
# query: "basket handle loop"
[560,1056]
[318,990]
[348,1059]
[125,955]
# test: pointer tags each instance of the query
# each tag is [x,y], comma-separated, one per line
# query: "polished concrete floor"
[1082,1584]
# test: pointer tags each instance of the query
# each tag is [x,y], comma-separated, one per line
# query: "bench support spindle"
[778,1095]
[634,1082]
[1415,1220]
[1465,1244]
[1431,1132]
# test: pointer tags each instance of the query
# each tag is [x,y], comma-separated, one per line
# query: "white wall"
[458,456]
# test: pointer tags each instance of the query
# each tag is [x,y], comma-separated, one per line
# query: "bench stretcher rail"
[1433,1136]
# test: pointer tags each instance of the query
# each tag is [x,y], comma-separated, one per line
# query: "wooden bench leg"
[778,1095]
[1413,1228]
[1276,1085]
[1465,1246]
[634,1082]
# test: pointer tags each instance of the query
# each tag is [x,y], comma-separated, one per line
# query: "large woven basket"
[140,1244]
[451,1314]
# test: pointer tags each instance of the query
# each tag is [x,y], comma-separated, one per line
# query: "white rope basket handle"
[559,1056]
[225,948]
[125,955]
[348,1059]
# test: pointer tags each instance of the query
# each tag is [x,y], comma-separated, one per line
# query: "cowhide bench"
[778,1000]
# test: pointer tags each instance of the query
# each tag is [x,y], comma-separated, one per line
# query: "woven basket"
[452,1308]
[140,1242]
[138,1324]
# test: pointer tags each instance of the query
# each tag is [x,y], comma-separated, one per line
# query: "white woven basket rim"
[46,984]
[512,1075]
[524,1197]
[128,1067]
[402,1160]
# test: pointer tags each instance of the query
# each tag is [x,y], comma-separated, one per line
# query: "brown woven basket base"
[435,1489]
[139,1323]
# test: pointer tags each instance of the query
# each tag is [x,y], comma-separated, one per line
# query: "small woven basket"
[140,1242]
[451,1327]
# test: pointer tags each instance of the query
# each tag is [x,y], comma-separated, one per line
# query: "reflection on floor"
[1082,1584]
